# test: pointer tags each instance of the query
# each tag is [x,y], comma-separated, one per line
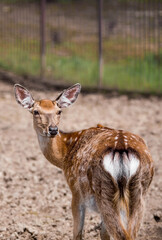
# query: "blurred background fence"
[108,44]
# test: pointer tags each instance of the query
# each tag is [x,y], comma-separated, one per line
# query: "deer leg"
[103,233]
[78,211]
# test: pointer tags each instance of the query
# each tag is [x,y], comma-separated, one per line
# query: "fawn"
[107,170]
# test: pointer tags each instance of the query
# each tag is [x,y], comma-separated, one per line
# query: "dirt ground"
[34,196]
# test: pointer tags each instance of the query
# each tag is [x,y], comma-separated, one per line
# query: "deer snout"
[53,130]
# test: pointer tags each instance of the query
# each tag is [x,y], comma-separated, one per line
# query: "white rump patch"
[118,165]
[112,165]
[133,164]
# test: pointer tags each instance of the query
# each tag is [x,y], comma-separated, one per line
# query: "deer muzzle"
[53,130]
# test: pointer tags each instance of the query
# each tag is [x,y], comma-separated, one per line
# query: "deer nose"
[53,130]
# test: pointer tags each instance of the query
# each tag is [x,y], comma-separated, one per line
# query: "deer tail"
[111,181]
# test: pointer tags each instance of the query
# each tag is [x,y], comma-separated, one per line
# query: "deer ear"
[68,96]
[23,97]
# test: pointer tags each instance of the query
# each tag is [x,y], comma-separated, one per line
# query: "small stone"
[3,229]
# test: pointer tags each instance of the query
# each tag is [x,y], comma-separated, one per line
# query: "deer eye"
[59,112]
[36,113]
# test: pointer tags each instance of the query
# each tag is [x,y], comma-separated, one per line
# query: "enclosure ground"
[34,197]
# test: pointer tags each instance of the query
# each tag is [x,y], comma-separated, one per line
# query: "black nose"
[53,130]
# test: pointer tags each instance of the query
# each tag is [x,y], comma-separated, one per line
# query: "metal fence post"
[42,38]
[100,4]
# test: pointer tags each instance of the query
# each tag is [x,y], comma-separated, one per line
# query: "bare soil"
[34,196]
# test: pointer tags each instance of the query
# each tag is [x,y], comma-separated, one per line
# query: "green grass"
[134,74]
[141,74]
[73,69]
[22,63]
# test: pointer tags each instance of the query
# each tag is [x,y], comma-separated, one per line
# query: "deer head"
[46,113]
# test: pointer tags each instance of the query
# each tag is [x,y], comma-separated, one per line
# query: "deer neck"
[54,149]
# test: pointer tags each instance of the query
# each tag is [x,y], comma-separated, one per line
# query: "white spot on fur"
[70,140]
[76,139]
[65,139]
[79,132]
[116,138]
[125,138]
[134,137]
[125,141]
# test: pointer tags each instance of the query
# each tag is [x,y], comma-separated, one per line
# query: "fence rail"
[108,44]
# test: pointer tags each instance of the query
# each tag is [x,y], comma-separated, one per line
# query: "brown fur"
[46,104]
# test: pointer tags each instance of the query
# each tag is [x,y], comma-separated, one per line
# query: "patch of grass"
[141,74]
[20,62]
[73,69]
[134,74]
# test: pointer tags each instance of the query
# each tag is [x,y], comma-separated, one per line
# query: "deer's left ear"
[68,96]
[23,97]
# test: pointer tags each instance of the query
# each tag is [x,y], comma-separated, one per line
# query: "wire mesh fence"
[115,46]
